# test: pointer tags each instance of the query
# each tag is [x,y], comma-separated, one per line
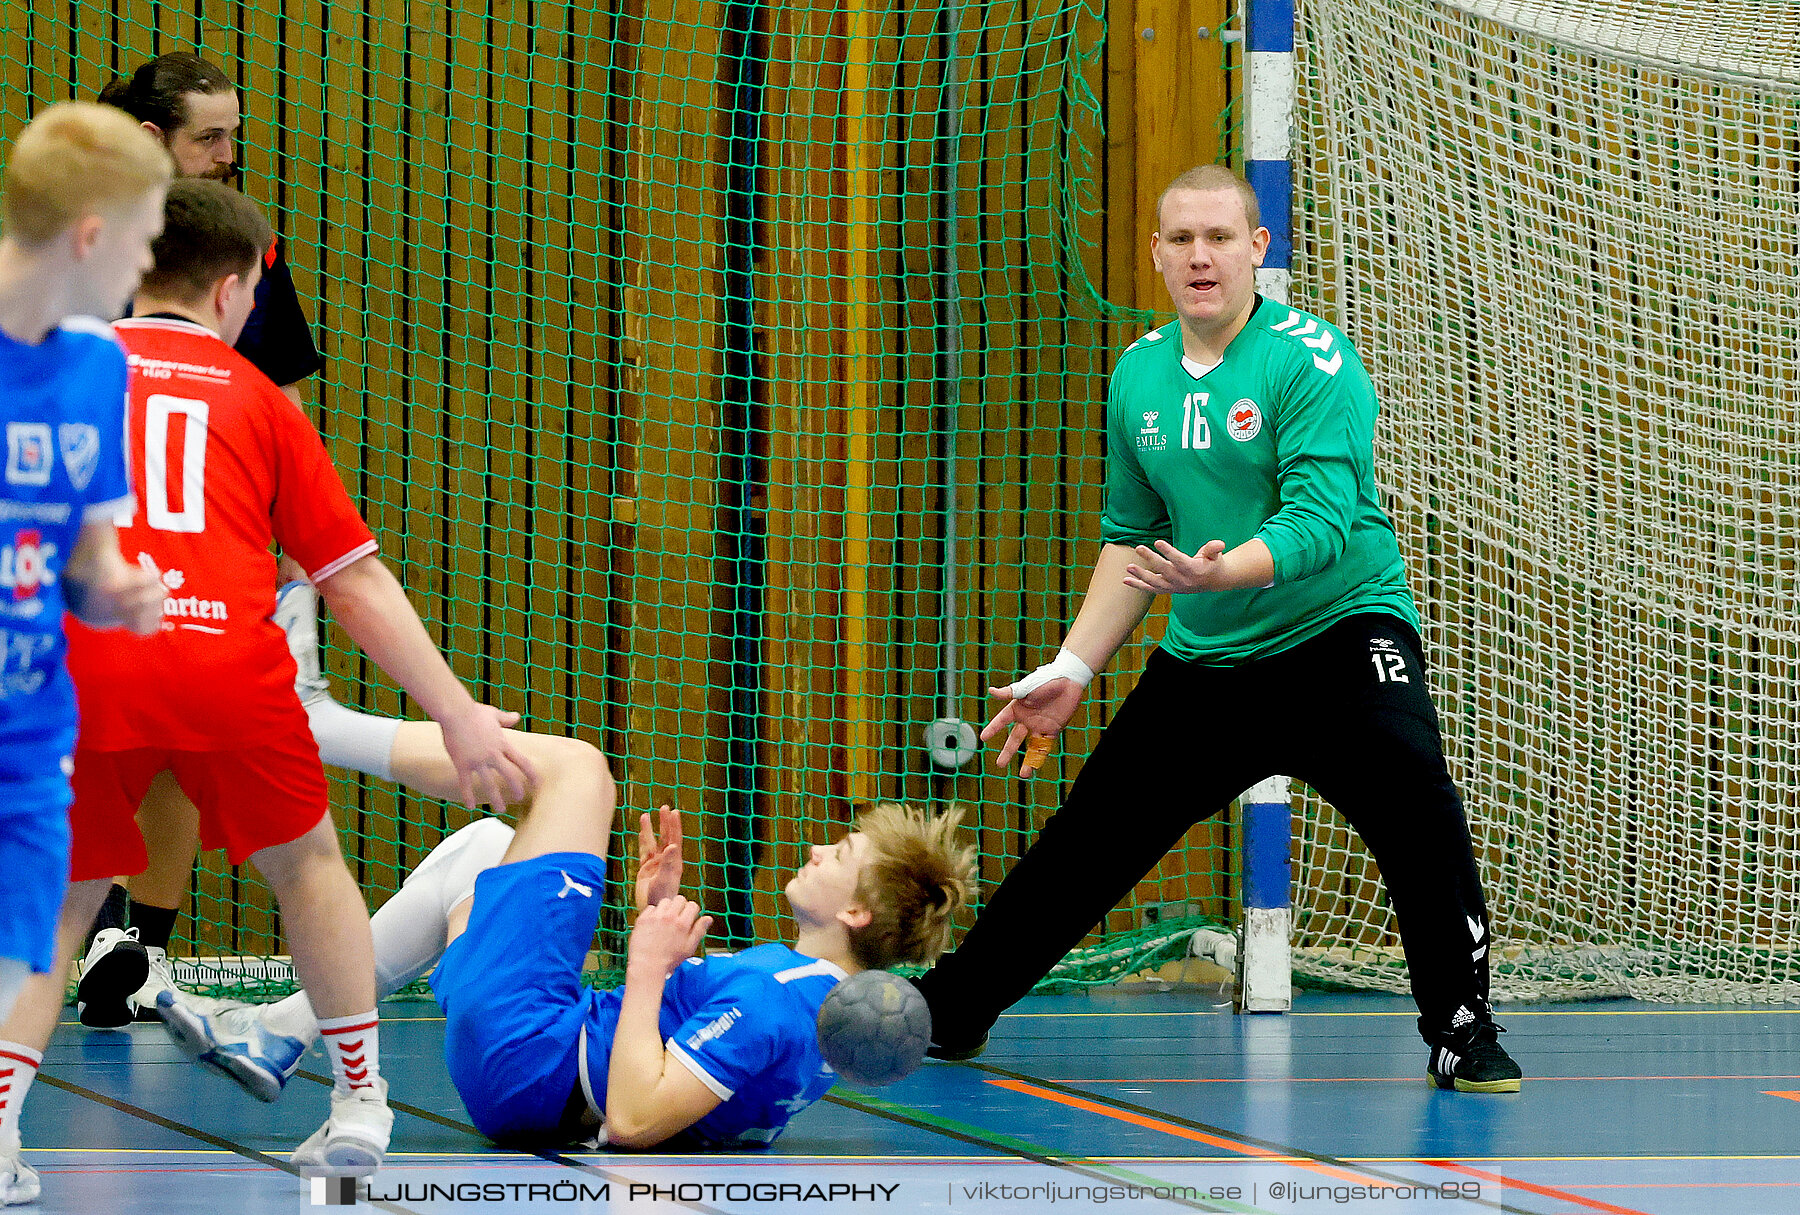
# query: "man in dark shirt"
[276,337]
[192,106]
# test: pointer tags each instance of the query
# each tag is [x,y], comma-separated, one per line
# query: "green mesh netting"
[724,381]
[1562,233]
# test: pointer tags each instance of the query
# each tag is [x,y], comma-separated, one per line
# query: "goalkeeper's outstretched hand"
[1031,720]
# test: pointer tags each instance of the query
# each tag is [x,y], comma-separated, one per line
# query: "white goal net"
[1566,239]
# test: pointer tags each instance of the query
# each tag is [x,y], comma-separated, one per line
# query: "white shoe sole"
[339,1156]
[105,990]
[20,1190]
[342,1158]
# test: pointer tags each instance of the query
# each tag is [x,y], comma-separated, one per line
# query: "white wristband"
[1066,665]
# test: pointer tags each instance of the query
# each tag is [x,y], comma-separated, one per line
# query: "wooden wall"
[510,220]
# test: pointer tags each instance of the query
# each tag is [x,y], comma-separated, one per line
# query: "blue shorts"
[513,1000]
[34,856]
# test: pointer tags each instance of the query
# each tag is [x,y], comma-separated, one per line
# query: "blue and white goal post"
[1265,963]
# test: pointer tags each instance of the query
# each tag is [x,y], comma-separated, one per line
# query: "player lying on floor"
[124,970]
[718,1051]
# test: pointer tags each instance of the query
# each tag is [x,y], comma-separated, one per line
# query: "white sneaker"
[354,1140]
[297,612]
[115,967]
[160,979]
[233,1042]
[18,1180]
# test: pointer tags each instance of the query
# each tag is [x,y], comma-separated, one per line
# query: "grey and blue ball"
[874,1028]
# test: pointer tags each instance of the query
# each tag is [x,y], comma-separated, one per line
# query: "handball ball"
[874,1028]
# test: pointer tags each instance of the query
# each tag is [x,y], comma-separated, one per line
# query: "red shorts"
[248,800]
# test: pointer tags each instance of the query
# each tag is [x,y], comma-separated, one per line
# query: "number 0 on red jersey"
[225,464]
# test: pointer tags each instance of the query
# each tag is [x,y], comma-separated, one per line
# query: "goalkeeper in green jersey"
[1241,483]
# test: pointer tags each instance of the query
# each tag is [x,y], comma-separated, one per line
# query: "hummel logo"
[1477,930]
[571,885]
[1383,643]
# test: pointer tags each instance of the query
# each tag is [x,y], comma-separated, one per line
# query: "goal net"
[1564,234]
[723,381]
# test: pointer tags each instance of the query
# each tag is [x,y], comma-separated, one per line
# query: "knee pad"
[454,864]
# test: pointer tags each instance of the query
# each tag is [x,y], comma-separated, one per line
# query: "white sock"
[18,1068]
[13,973]
[353,1044]
[350,739]
[409,929]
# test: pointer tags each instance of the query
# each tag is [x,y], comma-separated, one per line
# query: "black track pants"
[1348,712]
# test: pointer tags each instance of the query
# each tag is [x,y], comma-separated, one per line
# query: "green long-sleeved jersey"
[1276,442]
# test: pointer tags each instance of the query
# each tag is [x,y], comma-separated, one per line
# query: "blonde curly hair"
[917,877]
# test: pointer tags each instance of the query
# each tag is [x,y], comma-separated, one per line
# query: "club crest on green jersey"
[1245,420]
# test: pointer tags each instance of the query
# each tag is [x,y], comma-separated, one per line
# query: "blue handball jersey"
[746,1024]
[63,405]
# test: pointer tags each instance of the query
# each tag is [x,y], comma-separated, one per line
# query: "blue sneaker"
[233,1042]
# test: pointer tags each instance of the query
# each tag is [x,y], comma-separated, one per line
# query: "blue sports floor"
[1130,1101]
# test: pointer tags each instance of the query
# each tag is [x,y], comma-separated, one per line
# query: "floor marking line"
[386,1019]
[1744,1010]
[1747,1010]
[1170,1128]
[963,1132]
[1612,1159]
[1277,1149]
[247,1170]
[1690,1185]
[219,1141]
[403,1107]
[1741,1011]
[1410,1079]
[894,1112]
[1547,1191]
[1790,1094]
[1158,1115]
[190,1151]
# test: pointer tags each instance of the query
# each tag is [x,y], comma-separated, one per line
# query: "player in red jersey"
[194,108]
[230,465]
